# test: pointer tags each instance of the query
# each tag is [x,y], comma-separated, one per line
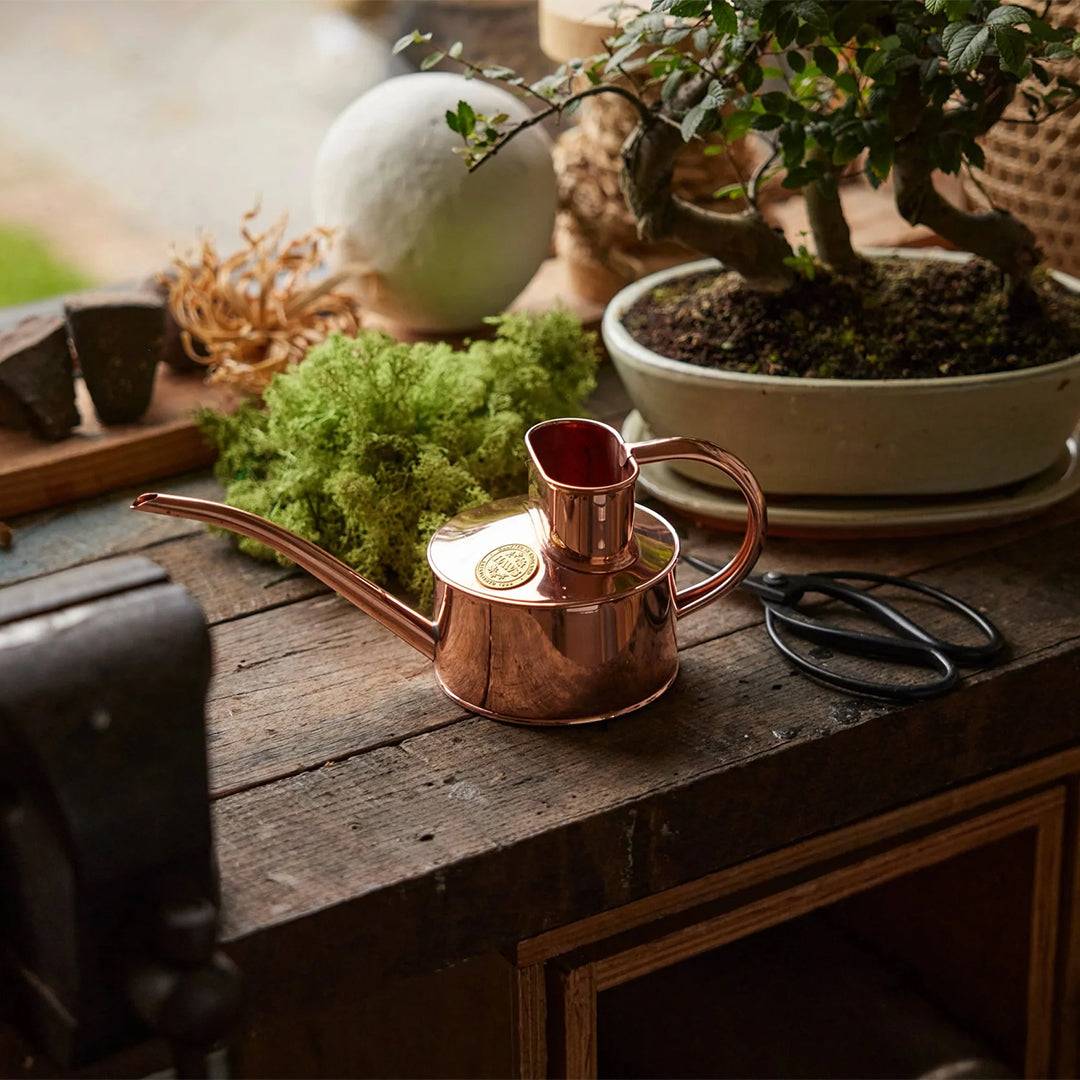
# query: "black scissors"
[907,643]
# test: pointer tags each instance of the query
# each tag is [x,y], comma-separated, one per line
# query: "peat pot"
[853,436]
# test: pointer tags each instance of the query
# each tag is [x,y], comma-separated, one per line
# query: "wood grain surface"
[359,814]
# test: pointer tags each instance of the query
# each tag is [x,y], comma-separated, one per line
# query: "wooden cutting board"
[166,441]
[35,474]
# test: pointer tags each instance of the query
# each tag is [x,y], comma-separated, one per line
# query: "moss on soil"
[896,319]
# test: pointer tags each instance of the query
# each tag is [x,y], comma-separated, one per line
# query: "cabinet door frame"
[560,973]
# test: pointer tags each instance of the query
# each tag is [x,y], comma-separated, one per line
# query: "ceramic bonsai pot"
[808,436]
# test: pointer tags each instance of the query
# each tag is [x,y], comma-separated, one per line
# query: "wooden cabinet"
[939,931]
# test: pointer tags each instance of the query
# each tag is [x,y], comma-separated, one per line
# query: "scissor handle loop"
[831,583]
[727,577]
[910,651]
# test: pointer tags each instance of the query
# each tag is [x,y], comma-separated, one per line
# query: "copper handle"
[727,577]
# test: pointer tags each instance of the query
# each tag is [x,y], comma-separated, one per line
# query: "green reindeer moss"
[369,445]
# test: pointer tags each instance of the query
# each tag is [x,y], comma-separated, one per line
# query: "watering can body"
[556,607]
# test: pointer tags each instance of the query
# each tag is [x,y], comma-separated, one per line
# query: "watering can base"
[559,721]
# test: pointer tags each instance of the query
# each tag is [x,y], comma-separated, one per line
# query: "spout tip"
[144,500]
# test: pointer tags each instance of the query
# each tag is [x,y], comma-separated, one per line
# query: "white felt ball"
[448,246]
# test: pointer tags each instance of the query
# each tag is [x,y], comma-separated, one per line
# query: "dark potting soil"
[895,319]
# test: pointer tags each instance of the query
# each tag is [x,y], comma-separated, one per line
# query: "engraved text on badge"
[507,567]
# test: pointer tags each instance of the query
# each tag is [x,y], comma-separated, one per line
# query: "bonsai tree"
[906,88]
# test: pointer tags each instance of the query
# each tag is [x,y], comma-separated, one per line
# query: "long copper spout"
[409,625]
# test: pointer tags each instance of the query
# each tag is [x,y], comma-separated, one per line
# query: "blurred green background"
[29,271]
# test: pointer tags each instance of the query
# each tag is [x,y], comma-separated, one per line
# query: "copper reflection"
[590,631]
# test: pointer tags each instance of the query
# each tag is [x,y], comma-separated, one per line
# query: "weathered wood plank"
[310,683]
[399,843]
[906,557]
[330,682]
[96,529]
[338,867]
[226,584]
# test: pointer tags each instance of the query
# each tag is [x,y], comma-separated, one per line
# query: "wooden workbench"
[370,833]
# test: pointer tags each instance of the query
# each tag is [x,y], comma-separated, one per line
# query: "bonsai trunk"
[743,242]
[832,236]
[994,235]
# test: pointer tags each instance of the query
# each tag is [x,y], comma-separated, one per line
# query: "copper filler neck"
[582,476]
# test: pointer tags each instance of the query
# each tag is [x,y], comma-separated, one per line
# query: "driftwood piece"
[118,339]
[37,388]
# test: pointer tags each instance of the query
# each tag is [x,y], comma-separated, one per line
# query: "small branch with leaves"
[830,84]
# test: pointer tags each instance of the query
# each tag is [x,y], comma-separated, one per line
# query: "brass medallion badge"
[507,567]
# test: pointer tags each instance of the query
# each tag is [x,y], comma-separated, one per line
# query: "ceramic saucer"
[847,516]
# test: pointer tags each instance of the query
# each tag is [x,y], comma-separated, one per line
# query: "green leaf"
[674,34]
[826,60]
[692,121]
[793,143]
[725,17]
[848,148]
[974,153]
[880,158]
[402,44]
[949,33]
[455,50]
[1011,47]
[452,121]
[847,82]
[737,124]
[935,7]
[847,21]
[796,61]
[466,118]
[911,37]
[716,94]
[774,102]
[1043,31]
[689,9]
[967,47]
[767,122]
[814,13]
[431,60]
[671,84]
[752,76]
[767,14]
[798,177]
[787,26]
[1008,15]
[622,55]
[875,63]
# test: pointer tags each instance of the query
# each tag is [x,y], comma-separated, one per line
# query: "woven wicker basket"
[1034,171]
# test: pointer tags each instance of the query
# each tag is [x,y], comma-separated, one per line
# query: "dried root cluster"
[251,314]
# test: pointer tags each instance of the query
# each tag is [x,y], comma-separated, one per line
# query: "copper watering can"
[558,607]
